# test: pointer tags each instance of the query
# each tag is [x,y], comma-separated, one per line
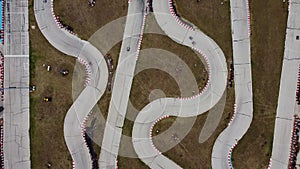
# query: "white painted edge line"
[15,56]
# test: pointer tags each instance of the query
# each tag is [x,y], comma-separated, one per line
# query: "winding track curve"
[181,107]
[71,45]
[228,139]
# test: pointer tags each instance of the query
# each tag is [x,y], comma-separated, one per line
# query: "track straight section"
[96,83]
[180,107]
[16,74]
[122,85]
[228,139]
[287,103]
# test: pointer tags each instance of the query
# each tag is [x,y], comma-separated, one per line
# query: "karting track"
[243,113]
[71,45]
[182,33]
[181,107]
[130,48]
[283,151]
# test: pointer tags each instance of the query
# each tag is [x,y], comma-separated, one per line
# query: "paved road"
[16,112]
[185,107]
[242,84]
[122,84]
[73,46]
[287,92]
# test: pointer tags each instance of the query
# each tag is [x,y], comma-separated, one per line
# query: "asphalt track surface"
[16,82]
[122,85]
[180,107]
[243,113]
[71,45]
[287,106]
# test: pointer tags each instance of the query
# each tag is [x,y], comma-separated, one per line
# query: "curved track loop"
[243,112]
[183,107]
[71,45]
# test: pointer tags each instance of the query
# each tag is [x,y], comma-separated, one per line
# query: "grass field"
[267,46]
[86,20]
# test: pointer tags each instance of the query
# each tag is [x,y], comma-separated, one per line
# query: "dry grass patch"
[86,20]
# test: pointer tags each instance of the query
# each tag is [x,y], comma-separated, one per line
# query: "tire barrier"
[151,129]
[231,75]
[177,18]
[87,70]
[58,21]
[93,154]
[89,143]
[294,147]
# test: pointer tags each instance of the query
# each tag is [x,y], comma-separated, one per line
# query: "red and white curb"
[141,38]
[2,76]
[270,164]
[87,70]
[151,129]
[117,164]
[248,17]
[3,18]
[209,77]
[1,147]
[56,18]
[233,116]
[229,161]
[178,20]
